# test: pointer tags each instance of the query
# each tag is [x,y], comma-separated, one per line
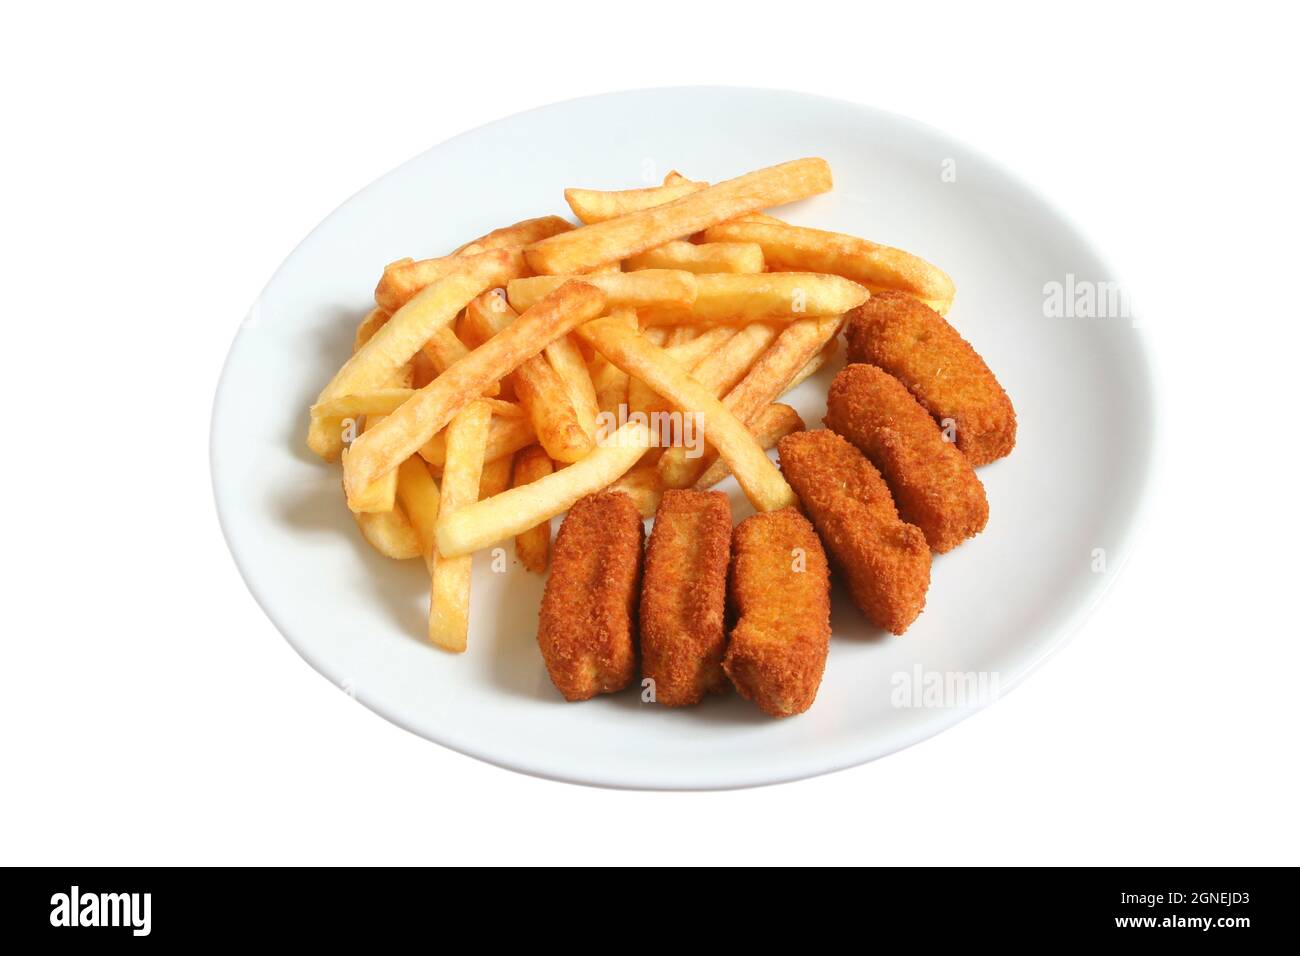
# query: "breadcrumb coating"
[884,561]
[588,614]
[780,597]
[933,484]
[916,345]
[684,596]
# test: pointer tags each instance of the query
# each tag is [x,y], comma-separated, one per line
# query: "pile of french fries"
[471,408]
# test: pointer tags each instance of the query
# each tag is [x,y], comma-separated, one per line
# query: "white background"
[158,164]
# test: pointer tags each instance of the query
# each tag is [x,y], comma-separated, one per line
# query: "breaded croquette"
[884,561]
[588,615]
[780,597]
[684,596]
[916,345]
[934,485]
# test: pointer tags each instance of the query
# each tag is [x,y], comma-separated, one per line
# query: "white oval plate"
[1063,504]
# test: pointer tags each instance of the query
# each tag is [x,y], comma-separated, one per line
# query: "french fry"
[874,266]
[773,370]
[597,205]
[626,236]
[565,357]
[609,381]
[680,335]
[425,413]
[388,401]
[371,324]
[664,288]
[543,395]
[772,296]
[646,489]
[515,511]
[468,333]
[404,279]
[444,349]
[611,384]
[450,576]
[386,529]
[505,409]
[814,365]
[739,257]
[343,423]
[760,217]
[496,475]
[505,437]
[643,486]
[422,370]
[522,233]
[533,546]
[393,344]
[758,477]
[748,217]
[389,532]
[716,369]
[387,296]
[385,401]
[417,495]
[769,427]
[700,346]
[643,482]
[641,397]
[724,367]
[673,178]
[379,401]
[381,494]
